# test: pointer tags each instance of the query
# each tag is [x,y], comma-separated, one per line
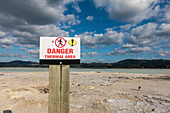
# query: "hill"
[19,63]
[129,63]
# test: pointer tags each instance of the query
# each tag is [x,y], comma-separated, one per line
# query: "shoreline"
[84,68]
[139,71]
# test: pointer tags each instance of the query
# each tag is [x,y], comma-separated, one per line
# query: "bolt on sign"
[59,50]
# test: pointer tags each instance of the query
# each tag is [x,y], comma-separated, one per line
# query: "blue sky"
[110,30]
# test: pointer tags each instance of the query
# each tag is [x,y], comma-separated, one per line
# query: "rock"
[119,103]
[151,107]
[140,106]
[93,82]
[91,87]
[100,84]
[98,71]
[161,99]
[76,106]
[136,96]
[126,94]
[149,100]
[109,77]
[44,90]
[145,96]
[7,111]
[139,87]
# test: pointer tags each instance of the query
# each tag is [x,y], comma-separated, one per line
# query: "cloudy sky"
[110,30]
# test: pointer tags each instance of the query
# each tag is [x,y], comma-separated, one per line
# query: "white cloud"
[12,55]
[164,30]
[71,20]
[76,6]
[72,30]
[128,45]
[36,11]
[2,34]
[143,35]
[129,11]
[133,50]
[166,46]
[149,34]
[101,60]
[144,30]
[145,39]
[7,42]
[90,40]
[27,21]
[126,27]
[93,60]
[112,37]
[90,18]
[92,54]
[24,49]
[32,33]
[162,53]
[33,51]
[139,49]
[166,14]
[83,54]
[6,46]
[27,46]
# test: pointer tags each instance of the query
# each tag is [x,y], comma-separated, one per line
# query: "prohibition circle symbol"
[60,42]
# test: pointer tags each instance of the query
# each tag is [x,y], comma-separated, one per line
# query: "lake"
[141,71]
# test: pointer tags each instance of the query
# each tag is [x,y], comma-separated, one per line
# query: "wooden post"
[59,84]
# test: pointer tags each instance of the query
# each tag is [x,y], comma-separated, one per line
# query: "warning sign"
[72,42]
[59,50]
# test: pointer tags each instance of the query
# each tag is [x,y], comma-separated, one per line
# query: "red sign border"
[59,38]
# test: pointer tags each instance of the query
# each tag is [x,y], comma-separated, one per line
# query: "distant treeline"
[19,63]
[129,63]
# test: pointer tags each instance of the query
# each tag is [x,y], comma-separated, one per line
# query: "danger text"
[59,51]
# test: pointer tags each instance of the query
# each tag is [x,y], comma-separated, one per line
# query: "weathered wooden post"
[59,88]
[59,52]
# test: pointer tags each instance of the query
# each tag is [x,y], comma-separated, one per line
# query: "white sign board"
[59,50]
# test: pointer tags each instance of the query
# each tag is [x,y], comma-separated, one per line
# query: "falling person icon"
[60,43]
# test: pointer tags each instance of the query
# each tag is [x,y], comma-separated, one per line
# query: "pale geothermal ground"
[90,92]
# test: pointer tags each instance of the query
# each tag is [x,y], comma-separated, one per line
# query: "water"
[142,71]
[24,69]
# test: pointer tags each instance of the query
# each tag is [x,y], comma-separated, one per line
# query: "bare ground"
[90,92]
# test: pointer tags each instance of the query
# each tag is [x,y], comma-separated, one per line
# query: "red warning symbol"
[60,42]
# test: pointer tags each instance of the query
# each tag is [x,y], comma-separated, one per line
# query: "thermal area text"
[59,53]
